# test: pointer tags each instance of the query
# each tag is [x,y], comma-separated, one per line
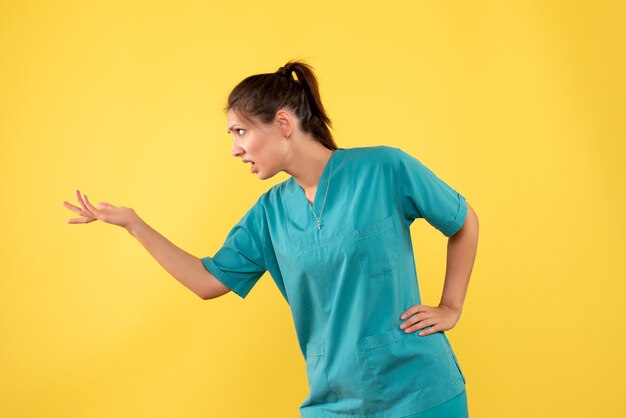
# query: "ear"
[285,121]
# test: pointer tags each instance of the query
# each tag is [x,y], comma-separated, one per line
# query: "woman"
[335,238]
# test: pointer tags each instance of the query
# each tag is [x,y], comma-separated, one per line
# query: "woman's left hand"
[442,318]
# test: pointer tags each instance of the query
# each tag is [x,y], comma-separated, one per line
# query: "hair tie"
[285,71]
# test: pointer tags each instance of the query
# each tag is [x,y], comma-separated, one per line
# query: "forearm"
[183,266]
[460,260]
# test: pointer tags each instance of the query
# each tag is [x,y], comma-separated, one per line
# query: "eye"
[239,130]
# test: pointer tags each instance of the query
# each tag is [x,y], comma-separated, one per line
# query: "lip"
[252,167]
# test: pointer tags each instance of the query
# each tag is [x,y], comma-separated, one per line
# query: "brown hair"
[260,96]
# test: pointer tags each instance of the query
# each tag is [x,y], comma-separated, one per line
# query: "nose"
[236,150]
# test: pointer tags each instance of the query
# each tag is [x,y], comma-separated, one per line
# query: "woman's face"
[260,145]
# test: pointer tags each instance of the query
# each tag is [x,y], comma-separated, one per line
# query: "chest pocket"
[377,247]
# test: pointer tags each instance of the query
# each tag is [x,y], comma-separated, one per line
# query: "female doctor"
[335,238]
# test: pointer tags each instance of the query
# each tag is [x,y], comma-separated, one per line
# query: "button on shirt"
[348,282]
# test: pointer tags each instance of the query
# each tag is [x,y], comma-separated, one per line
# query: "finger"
[421,324]
[413,310]
[95,211]
[71,207]
[84,205]
[82,220]
[435,328]
[80,200]
[414,319]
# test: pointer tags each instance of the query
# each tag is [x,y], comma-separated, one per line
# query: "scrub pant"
[454,408]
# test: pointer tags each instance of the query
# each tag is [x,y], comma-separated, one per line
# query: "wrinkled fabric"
[348,282]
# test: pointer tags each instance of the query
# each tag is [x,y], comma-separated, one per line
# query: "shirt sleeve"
[424,195]
[240,262]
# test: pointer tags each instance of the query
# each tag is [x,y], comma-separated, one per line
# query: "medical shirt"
[348,282]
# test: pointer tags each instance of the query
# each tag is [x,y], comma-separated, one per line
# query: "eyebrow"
[231,127]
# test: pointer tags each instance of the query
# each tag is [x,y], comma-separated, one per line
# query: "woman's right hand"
[106,212]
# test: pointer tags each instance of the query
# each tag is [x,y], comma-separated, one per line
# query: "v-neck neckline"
[322,181]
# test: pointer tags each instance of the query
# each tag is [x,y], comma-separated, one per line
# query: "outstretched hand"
[440,318]
[106,212]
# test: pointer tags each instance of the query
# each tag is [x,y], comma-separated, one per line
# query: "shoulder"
[373,152]
[377,154]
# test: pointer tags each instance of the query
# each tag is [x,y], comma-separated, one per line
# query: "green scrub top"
[348,282]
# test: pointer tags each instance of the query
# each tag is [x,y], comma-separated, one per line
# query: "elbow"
[212,289]
[206,294]
[208,287]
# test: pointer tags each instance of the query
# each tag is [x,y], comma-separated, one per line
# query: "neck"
[307,162]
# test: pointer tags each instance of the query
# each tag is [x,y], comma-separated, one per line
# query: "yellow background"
[519,105]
